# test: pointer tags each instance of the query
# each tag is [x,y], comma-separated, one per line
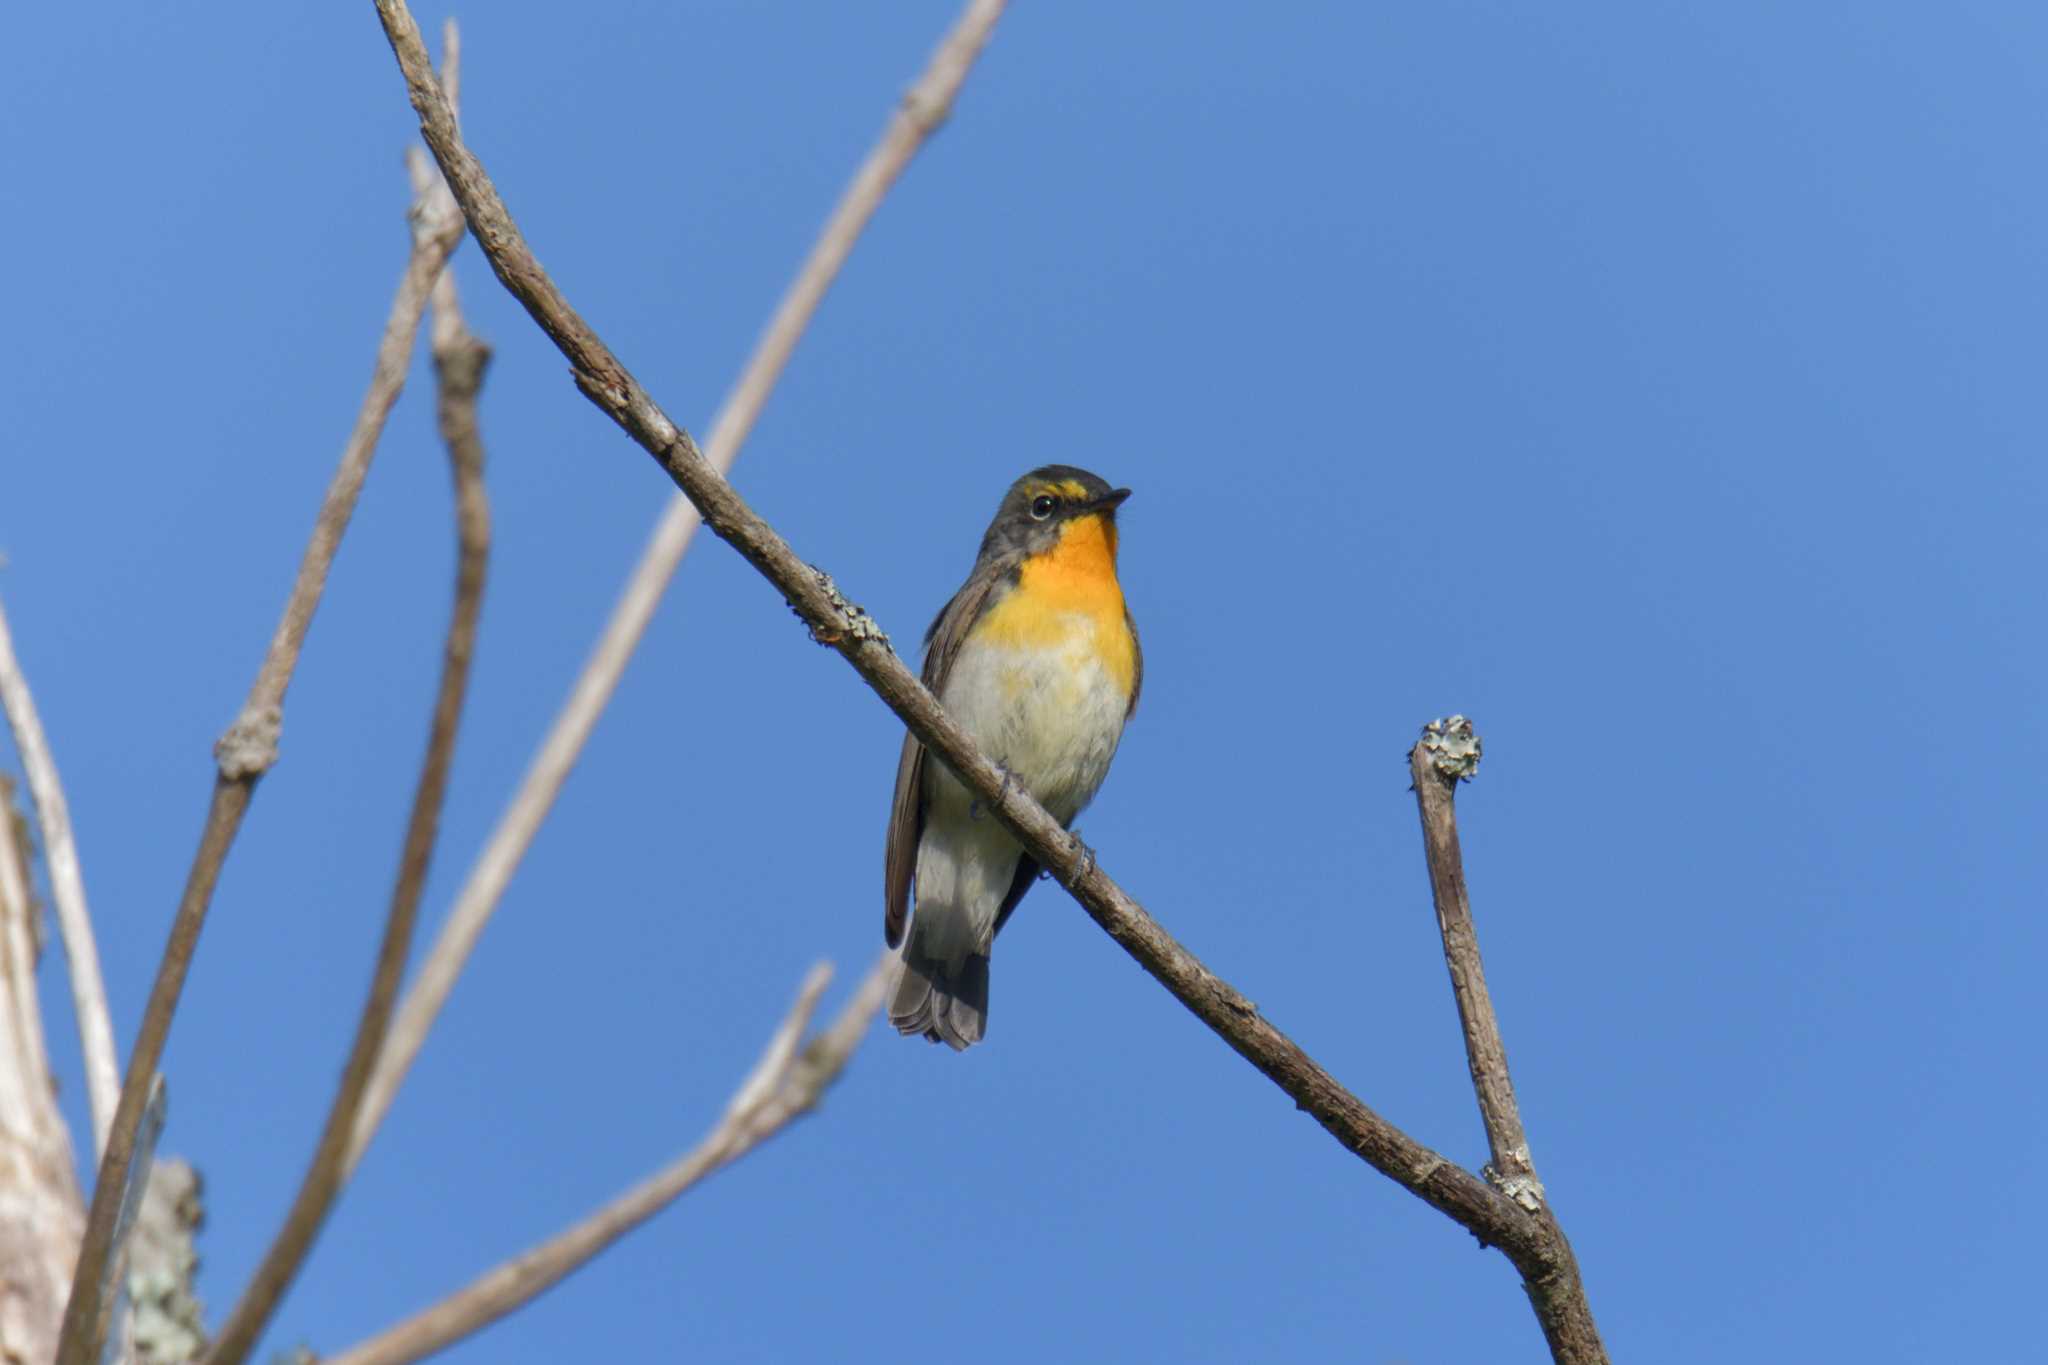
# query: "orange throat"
[1079,572]
[1076,578]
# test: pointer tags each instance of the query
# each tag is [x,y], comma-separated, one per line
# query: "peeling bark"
[42,1215]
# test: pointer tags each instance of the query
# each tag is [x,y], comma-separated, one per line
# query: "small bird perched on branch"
[1037,659]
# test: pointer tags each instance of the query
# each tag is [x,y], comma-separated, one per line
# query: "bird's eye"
[1042,505]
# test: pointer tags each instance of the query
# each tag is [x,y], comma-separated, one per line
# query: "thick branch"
[837,623]
[67,889]
[786,1084]
[1448,754]
[459,363]
[919,115]
[41,1216]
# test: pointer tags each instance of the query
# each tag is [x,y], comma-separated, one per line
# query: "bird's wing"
[1020,882]
[906,827]
[1137,669]
[906,813]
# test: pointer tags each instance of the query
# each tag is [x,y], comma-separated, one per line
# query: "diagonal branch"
[67,889]
[836,622]
[245,752]
[785,1085]
[1530,1242]
[921,112]
[459,361]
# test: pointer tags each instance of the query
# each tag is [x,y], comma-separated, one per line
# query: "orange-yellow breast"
[1071,586]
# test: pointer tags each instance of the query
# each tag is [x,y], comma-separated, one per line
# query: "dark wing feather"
[1138,669]
[906,813]
[1020,882]
[906,827]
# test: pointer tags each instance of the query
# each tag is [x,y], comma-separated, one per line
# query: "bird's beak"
[1110,501]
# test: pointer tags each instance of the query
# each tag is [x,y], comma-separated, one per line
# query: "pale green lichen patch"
[859,625]
[1453,747]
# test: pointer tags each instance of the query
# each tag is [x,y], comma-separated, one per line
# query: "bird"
[1036,657]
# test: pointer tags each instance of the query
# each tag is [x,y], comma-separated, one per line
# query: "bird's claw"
[976,810]
[1087,858]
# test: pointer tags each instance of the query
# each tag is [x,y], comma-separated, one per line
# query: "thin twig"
[83,1327]
[1447,754]
[242,756]
[1530,1245]
[919,115]
[785,1084]
[67,889]
[459,364]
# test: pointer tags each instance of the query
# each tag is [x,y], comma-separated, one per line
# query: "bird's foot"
[977,810]
[1087,855]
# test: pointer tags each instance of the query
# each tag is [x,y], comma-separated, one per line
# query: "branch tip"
[1454,748]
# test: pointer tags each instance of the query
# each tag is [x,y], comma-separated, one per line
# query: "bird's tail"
[946,1003]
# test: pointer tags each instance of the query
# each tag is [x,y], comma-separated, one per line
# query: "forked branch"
[459,363]
[1447,755]
[244,754]
[836,622]
[792,1075]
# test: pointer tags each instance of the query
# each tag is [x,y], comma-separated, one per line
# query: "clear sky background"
[1657,383]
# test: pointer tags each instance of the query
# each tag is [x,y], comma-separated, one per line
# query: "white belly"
[1051,716]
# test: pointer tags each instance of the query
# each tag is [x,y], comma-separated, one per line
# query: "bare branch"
[459,363]
[1530,1241]
[784,1085]
[921,112]
[67,889]
[451,76]
[1447,754]
[836,622]
[84,1325]
[924,109]
[243,754]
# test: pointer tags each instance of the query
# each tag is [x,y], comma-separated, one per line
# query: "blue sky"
[1656,383]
